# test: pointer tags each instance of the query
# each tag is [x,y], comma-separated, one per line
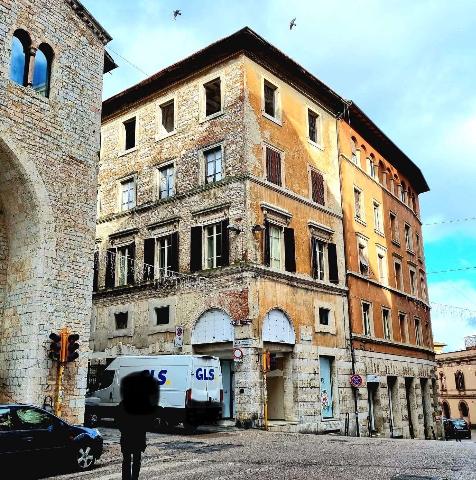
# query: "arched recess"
[213,326]
[277,328]
[446,410]
[26,240]
[463,409]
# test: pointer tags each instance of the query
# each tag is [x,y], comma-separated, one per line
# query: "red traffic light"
[72,348]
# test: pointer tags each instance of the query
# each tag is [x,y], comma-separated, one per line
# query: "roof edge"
[86,16]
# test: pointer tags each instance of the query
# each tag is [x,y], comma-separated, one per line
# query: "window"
[382,266]
[386,323]
[317,187]
[364,267]
[213,165]
[6,422]
[353,148]
[130,133]
[42,70]
[128,194]
[418,337]
[124,265]
[418,245]
[313,121]
[212,234]
[402,320]
[423,287]
[162,315]
[402,193]
[161,256]
[394,228]
[164,256]
[372,167]
[273,166]
[359,212]
[459,380]
[212,97]
[167,181]
[270,99]
[398,274]
[318,255]
[32,419]
[413,285]
[20,57]
[167,120]
[378,217]
[366,312]
[408,238]
[121,320]
[324,314]
[276,247]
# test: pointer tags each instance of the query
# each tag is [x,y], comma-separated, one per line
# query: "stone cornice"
[90,21]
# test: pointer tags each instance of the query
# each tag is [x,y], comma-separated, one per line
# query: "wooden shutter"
[225,243]
[96,271]
[289,250]
[149,259]
[110,280]
[174,252]
[313,257]
[196,249]
[332,258]
[317,186]
[266,245]
[273,166]
[131,263]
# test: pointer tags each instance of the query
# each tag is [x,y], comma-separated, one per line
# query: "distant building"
[52,60]
[457,382]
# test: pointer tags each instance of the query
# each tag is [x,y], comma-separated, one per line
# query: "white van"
[191,389]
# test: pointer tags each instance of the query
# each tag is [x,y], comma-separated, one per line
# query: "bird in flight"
[177,13]
[292,24]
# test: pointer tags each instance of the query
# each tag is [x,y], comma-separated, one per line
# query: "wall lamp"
[234,228]
[258,228]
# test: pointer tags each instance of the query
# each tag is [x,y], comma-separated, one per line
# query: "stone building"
[392,346]
[224,168]
[51,65]
[457,382]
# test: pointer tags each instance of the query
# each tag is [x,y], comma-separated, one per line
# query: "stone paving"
[253,454]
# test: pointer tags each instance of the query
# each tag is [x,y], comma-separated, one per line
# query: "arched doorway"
[464,411]
[278,339]
[446,410]
[24,214]
[213,334]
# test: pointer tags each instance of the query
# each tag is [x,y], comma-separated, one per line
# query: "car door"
[8,439]
[37,433]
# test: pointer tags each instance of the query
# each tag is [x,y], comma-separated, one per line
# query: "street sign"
[356,380]
[238,355]
[244,342]
[373,378]
[178,336]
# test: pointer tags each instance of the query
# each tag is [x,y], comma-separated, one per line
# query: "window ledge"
[411,252]
[359,220]
[275,120]
[126,152]
[396,242]
[160,329]
[315,144]
[378,232]
[163,136]
[212,116]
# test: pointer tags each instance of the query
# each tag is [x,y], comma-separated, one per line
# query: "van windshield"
[106,378]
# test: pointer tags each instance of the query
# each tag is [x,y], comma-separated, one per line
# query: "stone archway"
[26,223]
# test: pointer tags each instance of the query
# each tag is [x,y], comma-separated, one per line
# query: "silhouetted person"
[140,397]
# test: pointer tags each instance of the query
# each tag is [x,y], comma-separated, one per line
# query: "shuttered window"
[120,262]
[96,271]
[273,166]
[210,246]
[161,256]
[317,187]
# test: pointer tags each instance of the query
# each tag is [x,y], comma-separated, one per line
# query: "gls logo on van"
[161,376]
[204,374]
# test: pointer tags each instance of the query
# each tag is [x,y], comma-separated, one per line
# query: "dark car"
[456,428]
[32,438]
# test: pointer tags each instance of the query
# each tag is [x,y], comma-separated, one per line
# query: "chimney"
[470,342]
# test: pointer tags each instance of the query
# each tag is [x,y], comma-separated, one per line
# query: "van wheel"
[190,428]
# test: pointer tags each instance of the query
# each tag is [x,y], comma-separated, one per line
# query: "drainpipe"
[352,351]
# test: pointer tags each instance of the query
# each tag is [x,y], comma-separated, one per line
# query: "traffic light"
[72,347]
[55,347]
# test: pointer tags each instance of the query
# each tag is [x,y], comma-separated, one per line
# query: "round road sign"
[238,354]
[356,380]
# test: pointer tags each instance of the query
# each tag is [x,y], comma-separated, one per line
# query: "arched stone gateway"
[277,328]
[26,224]
[213,326]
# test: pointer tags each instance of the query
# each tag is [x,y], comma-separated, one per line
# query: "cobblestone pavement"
[253,454]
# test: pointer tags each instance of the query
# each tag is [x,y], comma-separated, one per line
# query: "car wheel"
[85,457]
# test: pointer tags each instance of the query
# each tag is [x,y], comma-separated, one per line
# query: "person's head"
[140,392]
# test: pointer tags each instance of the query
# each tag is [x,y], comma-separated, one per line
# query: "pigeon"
[292,23]
[177,13]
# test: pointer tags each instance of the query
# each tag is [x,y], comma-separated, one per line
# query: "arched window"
[353,147]
[382,174]
[463,409]
[403,192]
[446,410]
[20,57]
[459,380]
[42,70]
[372,169]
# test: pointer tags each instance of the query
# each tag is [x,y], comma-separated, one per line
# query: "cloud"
[451,325]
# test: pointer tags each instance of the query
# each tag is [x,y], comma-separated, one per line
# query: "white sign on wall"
[178,336]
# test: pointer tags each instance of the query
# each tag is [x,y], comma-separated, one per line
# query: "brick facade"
[48,160]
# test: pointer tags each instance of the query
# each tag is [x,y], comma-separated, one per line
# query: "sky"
[409,64]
